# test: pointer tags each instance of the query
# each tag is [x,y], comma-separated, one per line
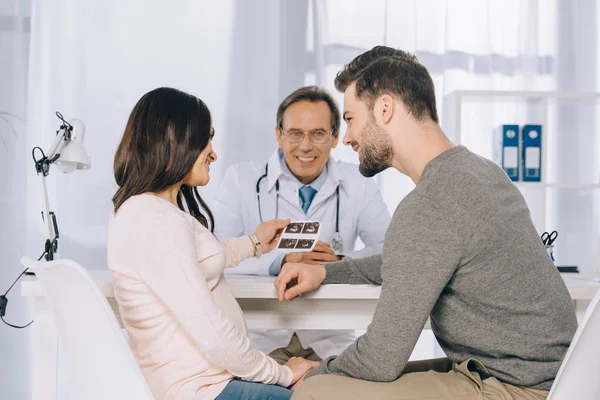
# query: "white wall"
[14,161]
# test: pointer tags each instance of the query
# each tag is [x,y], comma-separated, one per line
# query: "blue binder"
[509,159]
[532,153]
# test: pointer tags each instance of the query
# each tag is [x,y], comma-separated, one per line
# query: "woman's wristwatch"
[257,245]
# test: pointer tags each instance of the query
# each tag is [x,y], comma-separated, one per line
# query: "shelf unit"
[538,103]
[457,98]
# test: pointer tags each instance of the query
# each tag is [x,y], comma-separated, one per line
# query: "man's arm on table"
[419,259]
[355,271]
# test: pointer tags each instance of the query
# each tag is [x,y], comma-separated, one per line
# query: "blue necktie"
[307,194]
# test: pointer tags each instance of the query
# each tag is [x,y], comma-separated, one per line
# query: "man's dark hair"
[313,94]
[386,70]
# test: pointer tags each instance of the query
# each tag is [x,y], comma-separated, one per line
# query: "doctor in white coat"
[300,181]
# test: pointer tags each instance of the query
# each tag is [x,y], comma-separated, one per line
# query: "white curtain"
[14,161]
[94,60]
[521,45]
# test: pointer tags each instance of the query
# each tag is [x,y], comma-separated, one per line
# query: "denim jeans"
[242,390]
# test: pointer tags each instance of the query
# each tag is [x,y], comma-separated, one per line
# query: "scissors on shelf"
[549,238]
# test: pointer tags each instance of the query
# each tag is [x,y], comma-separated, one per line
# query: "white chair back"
[98,362]
[579,374]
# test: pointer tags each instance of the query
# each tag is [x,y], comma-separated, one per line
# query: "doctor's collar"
[274,171]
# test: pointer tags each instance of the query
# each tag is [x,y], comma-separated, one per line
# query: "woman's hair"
[166,132]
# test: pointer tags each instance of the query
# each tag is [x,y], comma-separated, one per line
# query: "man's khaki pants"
[294,349]
[421,380]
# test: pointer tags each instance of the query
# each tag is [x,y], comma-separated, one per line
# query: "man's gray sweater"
[461,249]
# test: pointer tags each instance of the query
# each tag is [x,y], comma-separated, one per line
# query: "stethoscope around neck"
[338,244]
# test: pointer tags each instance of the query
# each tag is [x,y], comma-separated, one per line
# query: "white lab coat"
[362,213]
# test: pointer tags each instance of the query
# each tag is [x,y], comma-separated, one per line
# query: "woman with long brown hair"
[186,330]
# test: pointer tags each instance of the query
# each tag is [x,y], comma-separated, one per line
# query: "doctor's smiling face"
[307,130]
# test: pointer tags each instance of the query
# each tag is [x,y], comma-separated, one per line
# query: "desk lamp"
[68,153]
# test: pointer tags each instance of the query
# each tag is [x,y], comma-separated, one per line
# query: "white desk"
[331,307]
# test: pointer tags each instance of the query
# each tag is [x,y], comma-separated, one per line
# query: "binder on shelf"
[532,153]
[507,153]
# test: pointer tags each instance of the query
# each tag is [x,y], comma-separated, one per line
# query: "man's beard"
[376,152]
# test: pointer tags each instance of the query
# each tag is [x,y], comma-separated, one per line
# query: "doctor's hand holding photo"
[320,254]
[301,278]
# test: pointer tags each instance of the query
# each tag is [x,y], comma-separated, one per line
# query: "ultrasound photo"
[304,243]
[294,227]
[310,227]
[287,243]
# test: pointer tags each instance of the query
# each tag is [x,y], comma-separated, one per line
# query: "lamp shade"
[73,155]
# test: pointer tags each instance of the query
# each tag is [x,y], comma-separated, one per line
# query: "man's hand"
[295,279]
[322,253]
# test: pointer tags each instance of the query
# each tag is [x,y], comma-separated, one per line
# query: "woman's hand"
[299,381]
[300,367]
[268,232]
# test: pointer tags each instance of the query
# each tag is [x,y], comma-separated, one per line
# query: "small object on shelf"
[548,239]
[507,150]
[550,250]
[568,269]
[532,153]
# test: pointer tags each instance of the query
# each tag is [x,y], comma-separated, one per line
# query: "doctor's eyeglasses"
[317,136]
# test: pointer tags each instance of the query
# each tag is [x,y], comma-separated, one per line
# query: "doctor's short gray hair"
[313,94]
